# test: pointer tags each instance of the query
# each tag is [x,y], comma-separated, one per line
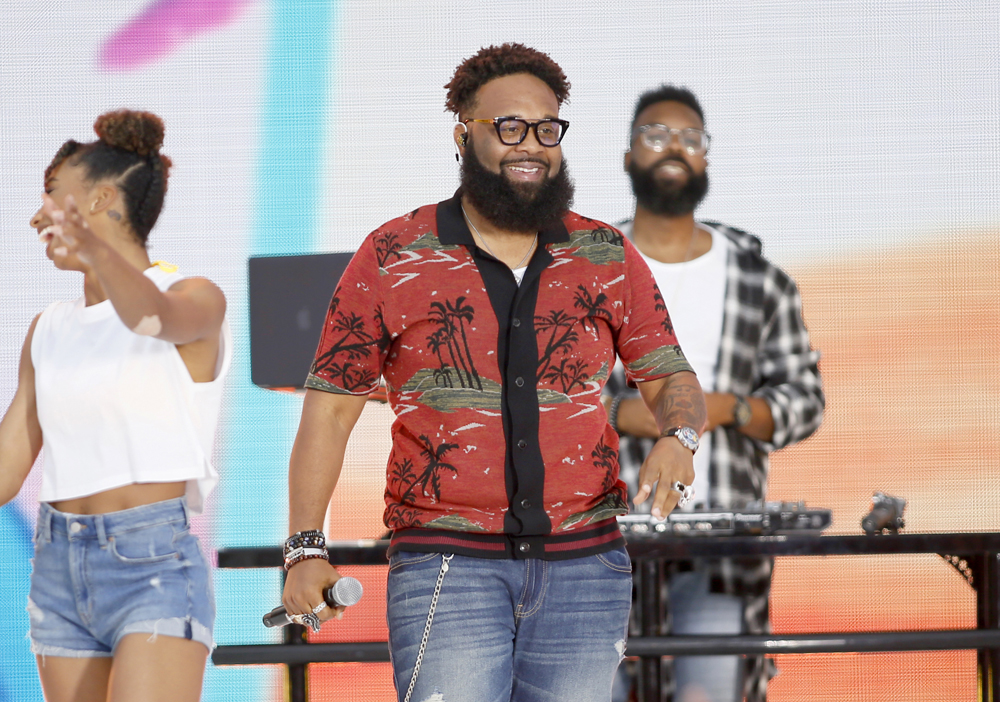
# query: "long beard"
[668,201]
[514,207]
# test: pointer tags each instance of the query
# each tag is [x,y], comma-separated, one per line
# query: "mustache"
[674,160]
[539,161]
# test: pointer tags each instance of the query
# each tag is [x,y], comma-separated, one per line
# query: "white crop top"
[118,408]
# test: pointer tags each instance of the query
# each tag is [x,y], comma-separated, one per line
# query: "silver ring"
[310,620]
[686,491]
[320,607]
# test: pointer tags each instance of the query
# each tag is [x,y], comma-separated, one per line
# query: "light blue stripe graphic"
[258,434]
[19,677]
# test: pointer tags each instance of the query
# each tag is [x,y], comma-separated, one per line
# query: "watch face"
[741,412]
[688,437]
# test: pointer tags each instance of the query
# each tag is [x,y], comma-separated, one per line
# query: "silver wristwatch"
[686,435]
[741,412]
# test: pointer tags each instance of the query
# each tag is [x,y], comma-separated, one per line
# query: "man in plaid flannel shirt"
[740,322]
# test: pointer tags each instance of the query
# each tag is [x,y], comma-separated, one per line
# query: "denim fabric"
[509,630]
[99,577]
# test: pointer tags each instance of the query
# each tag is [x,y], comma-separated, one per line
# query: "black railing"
[980,551]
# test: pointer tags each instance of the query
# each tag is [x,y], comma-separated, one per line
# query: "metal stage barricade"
[980,551]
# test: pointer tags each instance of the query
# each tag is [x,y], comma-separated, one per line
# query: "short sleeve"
[354,341]
[646,342]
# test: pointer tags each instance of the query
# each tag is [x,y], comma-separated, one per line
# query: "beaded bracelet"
[312,538]
[303,545]
[309,535]
[305,554]
[301,551]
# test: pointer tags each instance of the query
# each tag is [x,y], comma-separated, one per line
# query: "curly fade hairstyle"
[498,61]
[666,93]
[127,153]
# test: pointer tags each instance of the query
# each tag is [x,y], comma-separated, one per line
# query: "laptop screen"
[289,297]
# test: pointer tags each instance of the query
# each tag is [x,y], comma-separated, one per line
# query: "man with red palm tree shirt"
[495,318]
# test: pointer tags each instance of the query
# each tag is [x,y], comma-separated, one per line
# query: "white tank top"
[118,408]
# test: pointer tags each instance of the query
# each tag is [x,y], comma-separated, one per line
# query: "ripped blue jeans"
[509,630]
[98,577]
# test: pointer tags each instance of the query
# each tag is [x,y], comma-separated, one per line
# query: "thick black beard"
[511,207]
[670,202]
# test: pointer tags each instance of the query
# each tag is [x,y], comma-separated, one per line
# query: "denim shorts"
[99,577]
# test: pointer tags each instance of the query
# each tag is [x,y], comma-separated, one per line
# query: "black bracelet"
[613,413]
[313,538]
[313,535]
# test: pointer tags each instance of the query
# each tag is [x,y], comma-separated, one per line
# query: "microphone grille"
[347,591]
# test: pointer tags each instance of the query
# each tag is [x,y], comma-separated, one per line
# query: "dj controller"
[765,518]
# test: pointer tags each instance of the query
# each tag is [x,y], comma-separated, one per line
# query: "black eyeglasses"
[512,130]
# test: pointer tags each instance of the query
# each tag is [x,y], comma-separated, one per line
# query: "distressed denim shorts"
[99,577]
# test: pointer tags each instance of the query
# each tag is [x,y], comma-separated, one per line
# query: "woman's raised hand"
[71,239]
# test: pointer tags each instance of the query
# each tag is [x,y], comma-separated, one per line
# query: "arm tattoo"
[681,403]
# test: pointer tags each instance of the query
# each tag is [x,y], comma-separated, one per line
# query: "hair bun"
[139,132]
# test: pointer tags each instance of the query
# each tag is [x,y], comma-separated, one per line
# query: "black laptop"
[289,296]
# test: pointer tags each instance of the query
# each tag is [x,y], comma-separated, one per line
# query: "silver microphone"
[343,593]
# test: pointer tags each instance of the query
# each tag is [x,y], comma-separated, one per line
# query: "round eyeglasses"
[512,130]
[657,137]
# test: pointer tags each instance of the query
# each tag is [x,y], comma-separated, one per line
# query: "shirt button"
[524,548]
[75,527]
[522,443]
[518,381]
[526,504]
[516,322]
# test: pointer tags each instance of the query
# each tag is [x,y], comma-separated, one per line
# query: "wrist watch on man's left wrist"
[686,435]
[741,412]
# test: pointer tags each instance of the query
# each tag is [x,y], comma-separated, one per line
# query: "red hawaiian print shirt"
[501,447]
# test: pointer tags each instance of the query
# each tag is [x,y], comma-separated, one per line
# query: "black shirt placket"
[526,521]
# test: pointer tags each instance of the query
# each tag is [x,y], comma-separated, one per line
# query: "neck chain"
[483,239]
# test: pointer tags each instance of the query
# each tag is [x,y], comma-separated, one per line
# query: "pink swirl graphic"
[162,27]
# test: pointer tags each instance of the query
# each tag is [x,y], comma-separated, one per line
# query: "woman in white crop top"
[122,390]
